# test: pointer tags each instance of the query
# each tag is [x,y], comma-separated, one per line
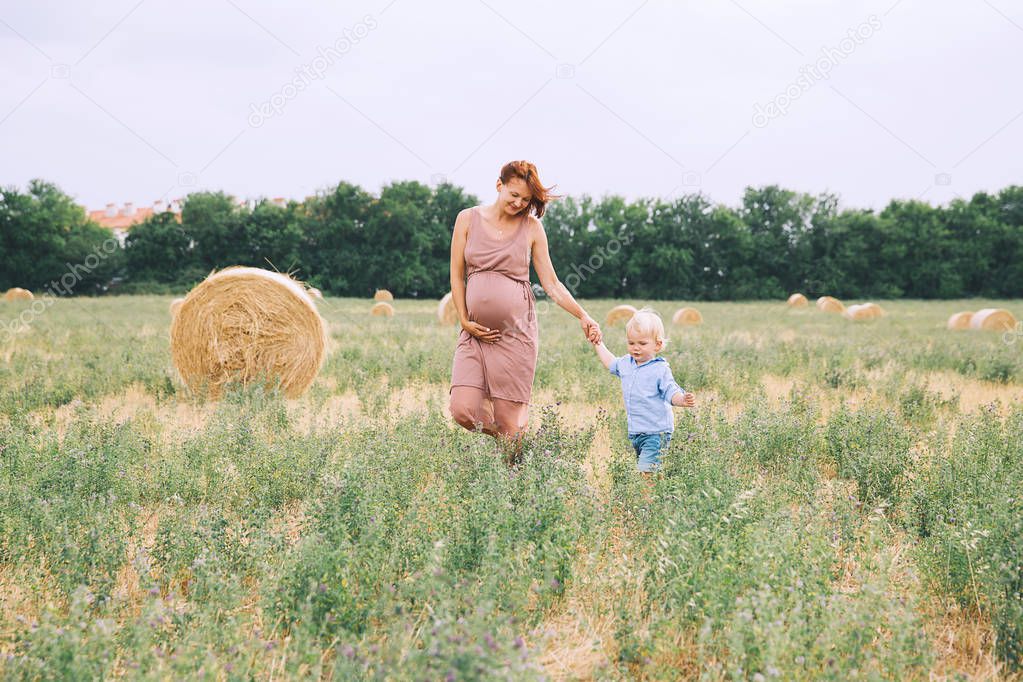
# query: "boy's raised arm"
[604,354]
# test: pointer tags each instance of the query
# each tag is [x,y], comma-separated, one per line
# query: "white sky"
[133,101]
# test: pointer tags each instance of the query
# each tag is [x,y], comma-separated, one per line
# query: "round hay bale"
[993,320]
[960,320]
[383,295]
[829,304]
[382,309]
[447,313]
[248,325]
[797,300]
[620,313]
[687,316]
[863,311]
[315,293]
[875,309]
[175,306]
[18,294]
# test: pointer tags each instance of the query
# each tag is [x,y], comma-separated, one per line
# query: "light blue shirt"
[647,390]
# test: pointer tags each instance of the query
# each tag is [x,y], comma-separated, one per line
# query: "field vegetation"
[844,503]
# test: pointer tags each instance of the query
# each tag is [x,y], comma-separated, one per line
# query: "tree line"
[348,242]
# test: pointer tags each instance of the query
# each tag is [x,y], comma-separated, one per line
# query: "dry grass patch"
[973,394]
[963,644]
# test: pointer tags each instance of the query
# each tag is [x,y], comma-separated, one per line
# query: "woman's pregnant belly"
[496,301]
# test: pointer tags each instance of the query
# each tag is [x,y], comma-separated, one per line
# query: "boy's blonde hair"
[647,323]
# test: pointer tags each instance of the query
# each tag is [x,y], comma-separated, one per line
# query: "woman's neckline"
[512,232]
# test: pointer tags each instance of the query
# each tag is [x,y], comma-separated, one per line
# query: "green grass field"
[844,503]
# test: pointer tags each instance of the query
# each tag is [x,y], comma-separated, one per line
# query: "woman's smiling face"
[513,196]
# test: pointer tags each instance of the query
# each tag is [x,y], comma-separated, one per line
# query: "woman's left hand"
[591,329]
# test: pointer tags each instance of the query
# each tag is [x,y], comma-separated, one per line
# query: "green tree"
[334,227]
[720,248]
[660,259]
[439,222]
[270,236]
[918,248]
[397,242]
[160,250]
[212,222]
[777,220]
[566,223]
[47,241]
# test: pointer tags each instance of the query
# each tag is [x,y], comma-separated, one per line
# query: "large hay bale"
[797,300]
[687,316]
[620,313]
[960,320]
[447,313]
[877,310]
[829,304]
[382,309]
[863,311]
[383,295]
[175,306]
[248,325]
[18,294]
[315,293]
[993,320]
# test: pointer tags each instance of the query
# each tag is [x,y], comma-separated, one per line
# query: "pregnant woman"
[495,359]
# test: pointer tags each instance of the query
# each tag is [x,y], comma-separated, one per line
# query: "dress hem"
[490,394]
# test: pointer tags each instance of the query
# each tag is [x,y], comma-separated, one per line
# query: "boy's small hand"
[688,400]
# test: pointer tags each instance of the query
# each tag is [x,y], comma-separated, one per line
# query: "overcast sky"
[136,101]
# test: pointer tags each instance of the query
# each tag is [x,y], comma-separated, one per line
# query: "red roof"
[121,220]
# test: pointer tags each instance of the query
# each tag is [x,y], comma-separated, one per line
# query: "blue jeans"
[649,447]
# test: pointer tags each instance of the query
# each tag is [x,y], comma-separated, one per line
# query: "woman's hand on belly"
[485,334]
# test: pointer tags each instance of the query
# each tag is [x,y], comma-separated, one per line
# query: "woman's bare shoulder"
[463,219]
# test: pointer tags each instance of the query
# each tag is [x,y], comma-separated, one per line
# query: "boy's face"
[643,347]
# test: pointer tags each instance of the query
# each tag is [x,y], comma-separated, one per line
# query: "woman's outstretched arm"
[558,292]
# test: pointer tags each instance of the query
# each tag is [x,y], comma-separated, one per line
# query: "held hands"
[591,329]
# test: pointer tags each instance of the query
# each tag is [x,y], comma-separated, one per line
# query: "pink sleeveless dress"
[498,296]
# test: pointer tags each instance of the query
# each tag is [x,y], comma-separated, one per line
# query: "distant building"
[121,220]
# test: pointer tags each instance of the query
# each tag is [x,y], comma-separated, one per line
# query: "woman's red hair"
[540,195]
